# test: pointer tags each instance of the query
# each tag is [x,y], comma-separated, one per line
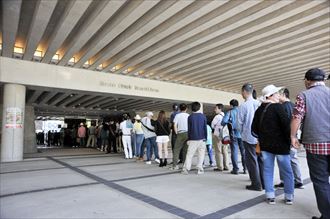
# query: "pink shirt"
[81,132]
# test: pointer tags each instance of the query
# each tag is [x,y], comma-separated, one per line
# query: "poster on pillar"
[14,117]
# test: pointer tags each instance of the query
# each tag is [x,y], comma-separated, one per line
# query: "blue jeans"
[138,142]
[151,147]
[268,170]
[234,145]
[319,170]
[210,153]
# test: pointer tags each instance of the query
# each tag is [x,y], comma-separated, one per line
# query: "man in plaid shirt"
[312,109]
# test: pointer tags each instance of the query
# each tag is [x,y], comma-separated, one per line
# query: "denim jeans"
[236,143]
[295,167]
[138,142]
[151,147]
[319,170]
[210,153]
[268,170]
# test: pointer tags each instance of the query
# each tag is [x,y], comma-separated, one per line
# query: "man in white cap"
[271,126]
[149,137]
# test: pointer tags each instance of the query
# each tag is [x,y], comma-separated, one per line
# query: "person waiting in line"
[118,137]
[288,107]
[91,136]
[209,146]
[112,137]
[139,137]
[162,129]
[245,117]
[271,126]
[149,137]
[74,133]
[197,135]
[104,137]
[82,134]
[312,108]
[126,127]
[175,108]
[230,119]
[180,128]
[220,150]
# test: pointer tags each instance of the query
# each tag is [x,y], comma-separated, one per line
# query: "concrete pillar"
[13,122]
[30,141]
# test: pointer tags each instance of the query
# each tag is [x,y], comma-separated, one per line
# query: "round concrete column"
[13,122]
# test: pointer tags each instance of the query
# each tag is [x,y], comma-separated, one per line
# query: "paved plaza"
[86,183]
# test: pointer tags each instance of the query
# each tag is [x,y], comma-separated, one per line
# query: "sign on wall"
[14,117]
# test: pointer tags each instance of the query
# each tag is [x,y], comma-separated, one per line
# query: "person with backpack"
[230,119]
[220,149]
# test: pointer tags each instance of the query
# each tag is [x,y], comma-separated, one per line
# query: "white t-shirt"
[181,122]
[124,129]
[216,124]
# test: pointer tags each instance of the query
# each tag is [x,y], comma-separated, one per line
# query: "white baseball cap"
[270,90]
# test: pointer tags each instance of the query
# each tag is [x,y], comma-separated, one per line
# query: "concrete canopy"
[211,44]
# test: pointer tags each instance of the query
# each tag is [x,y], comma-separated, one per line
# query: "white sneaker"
[200,171]
[174,168]
[148,162]
[157,160]
[184,171]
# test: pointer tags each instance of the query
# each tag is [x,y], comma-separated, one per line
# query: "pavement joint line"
[53,168]
[225,212]
[47,189]
[134,194]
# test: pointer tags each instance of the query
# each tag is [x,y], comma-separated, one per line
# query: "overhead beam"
[10,20]
[71,15]
[41,17]
[100,15]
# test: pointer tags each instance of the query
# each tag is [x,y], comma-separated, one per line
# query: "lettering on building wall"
[128,87]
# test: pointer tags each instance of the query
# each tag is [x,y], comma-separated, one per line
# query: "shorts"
[162,139]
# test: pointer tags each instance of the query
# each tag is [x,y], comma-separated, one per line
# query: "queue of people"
[259,130]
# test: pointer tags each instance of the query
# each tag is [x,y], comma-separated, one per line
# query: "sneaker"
[157,160]
[184,171]
[279,186]
[200,171]
[212,165]
[217,169]
[271,201]
[299,186]
[288,202]
[234,172]
[148,162]
[253,188]
[174,168]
